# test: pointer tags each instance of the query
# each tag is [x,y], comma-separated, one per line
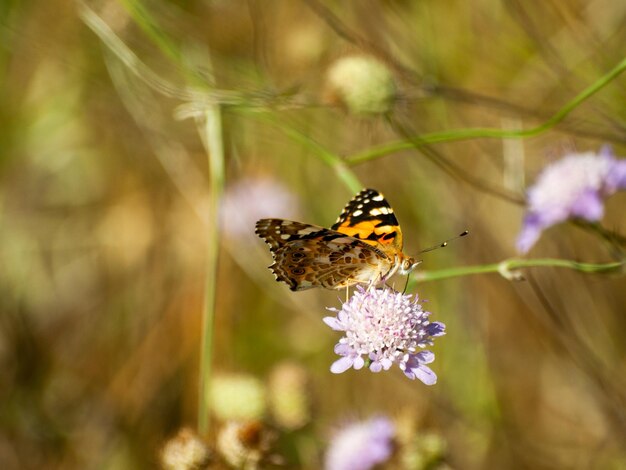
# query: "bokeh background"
[105,224]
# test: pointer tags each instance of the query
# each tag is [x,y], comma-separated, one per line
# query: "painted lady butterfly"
[364,246]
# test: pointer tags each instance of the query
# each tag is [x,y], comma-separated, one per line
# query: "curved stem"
[341,169]
[474,133]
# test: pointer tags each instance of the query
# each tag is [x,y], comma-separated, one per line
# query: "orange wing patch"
[369,217]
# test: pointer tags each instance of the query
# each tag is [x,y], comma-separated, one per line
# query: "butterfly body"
[364,246]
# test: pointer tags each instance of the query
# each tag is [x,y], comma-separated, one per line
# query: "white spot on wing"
[357,213]
[306,231]
[378,198]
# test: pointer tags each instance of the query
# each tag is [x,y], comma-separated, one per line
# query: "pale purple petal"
[416,368]
[386,363]
[333,323]
[425,357]
[342,349]
[361,446]
[359,362]
[588,206]
[573,187]
[435,329]
[530,233]
[616,179]
[423,373]
[341,365]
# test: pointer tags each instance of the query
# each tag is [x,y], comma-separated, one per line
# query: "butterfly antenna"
[444,243]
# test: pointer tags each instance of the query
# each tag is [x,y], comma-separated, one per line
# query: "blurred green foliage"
[105,195]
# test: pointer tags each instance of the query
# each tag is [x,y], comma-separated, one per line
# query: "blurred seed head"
[185,451]
[288,396]
[364,85]
[237,397]
[245,445]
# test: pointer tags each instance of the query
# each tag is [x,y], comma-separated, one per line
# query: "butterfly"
[364,246]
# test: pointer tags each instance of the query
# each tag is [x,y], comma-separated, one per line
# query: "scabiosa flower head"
[363,84]
[383,327]
[574,186]
[361,445]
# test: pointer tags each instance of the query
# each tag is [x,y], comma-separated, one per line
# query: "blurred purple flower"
[361,446]
[573,187]
[253,198]
[386,327]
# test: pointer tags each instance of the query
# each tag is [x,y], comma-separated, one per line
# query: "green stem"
[212,138]
[339,166]
[210,130]
[474,133]
[507,269]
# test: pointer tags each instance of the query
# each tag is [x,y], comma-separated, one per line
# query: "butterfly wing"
[307,256]
[370,218]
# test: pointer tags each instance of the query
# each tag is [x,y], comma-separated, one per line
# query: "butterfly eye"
[408,264]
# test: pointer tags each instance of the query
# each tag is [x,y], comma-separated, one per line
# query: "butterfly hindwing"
[307,256]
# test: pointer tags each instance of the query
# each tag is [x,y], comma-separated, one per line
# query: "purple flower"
[361,446]
[573,187]
[384,327]
[253,198]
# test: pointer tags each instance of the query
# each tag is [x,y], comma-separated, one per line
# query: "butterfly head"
[407,265]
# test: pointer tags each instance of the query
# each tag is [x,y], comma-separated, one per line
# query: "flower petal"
[334,323]
[530,233]
[359,362]
[341,365]
[436,328]
[588,206]
[424,357]
[424,373]
[342,349]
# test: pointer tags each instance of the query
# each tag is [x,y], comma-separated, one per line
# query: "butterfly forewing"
[369,217]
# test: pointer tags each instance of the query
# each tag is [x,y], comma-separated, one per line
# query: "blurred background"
[105,220]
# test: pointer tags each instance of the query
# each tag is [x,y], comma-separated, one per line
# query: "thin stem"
[343,171]
[212,138]
[507,269]
[475,133]
[144,20]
